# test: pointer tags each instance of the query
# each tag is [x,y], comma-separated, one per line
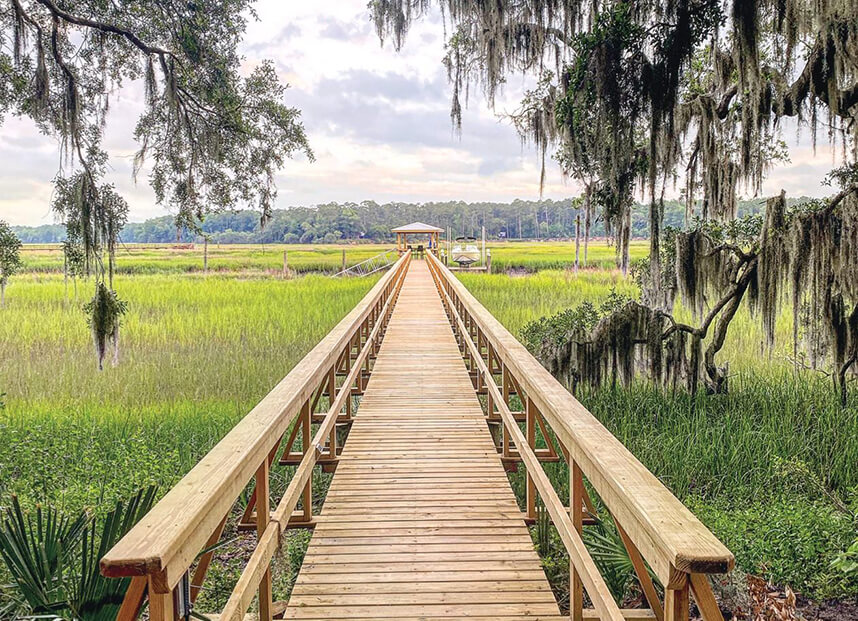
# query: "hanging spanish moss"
[104,313]
[94,217]
[637,94]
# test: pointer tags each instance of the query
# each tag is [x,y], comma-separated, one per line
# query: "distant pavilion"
[417,228]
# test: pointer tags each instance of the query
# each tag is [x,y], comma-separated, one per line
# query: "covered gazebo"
[417,228]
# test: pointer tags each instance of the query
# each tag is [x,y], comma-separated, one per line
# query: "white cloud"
[378,122]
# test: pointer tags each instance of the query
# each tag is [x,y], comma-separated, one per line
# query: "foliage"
[93,217]
[38,553]
[10,253]
[368,220]
[104,313]
[92,596]
[847,561]
[54,558]
[213,134]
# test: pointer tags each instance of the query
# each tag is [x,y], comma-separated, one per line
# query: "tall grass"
[166,259]
[556,255]
[303,258]
[196,354]
[771,467]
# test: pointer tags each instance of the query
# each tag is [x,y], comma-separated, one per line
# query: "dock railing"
[655,527]
[181,530]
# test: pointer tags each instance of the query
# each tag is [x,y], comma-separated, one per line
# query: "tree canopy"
[635,95]
[10,256]
[214,138]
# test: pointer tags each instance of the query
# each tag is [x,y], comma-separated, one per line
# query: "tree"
[214,137]
[642,92]
[10,257]
[93,217]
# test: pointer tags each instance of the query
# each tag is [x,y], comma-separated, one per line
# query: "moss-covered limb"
[841,381]
[718,376]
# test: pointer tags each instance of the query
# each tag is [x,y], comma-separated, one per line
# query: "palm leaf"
[94,597]
[36,553]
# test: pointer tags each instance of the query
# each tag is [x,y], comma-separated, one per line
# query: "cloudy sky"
[378,122]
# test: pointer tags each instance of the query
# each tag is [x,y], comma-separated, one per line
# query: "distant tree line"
[370,221]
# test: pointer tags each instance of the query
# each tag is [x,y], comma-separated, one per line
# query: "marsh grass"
[326,258]
[771,467]
[183,258]
[198,352]
[556,255]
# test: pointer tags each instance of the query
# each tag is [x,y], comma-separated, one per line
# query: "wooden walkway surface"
[419,521]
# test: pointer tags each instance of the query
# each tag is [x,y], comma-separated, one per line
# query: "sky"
[378,121]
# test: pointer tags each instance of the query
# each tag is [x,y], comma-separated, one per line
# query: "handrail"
[674,542]
[166,542]
[374,264]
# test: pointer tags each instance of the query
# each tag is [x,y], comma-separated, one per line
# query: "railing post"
[263,516]
[506,391]
[332,392]
[530,415]
[676,597]
[349,388]
[576,512]
[160,604]
[306,442]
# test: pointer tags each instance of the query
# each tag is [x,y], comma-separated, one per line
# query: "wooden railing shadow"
[656,528]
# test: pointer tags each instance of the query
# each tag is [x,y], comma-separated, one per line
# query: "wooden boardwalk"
[419,521]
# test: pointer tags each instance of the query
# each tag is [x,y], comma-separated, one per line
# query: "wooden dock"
[420,521]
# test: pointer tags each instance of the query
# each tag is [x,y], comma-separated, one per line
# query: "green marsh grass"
[756,465]
[532,256]
[197,353]
[184,258]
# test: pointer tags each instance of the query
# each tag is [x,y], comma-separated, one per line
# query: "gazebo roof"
[417,227]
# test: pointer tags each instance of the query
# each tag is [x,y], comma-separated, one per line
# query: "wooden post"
[489,261]
[306,445]
[344,259]
[263,515]
[285,262]
[332,394]
[676,597]
[577,242]
[576,512]
[530,416]
[205,255]
[505,391]
[160,604]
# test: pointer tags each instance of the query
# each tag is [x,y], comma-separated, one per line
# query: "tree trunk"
[2,292]
[587,219]
[655,216]
[623,241]
[718,376]
[577,243]
[116,346]
[841,380]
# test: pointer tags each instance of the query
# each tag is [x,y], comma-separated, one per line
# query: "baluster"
[676,600]
[576,512]
[161,606]
[332,392]
[349,388]
[263,515]
[506,387]
[530,416]
[306,445]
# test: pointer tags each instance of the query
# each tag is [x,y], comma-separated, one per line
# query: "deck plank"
[419,520]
